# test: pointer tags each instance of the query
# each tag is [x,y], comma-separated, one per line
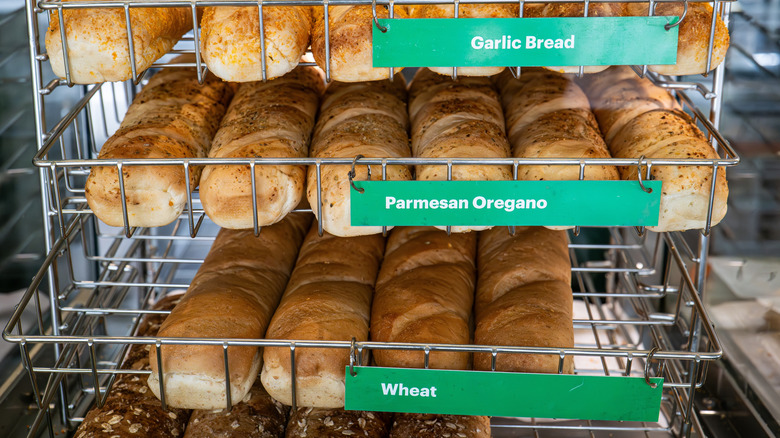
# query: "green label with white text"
[483,203]
[443,42]
[611,398]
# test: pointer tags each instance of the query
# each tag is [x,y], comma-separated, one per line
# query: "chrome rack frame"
[128,267]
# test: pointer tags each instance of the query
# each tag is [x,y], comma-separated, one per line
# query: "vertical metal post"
[704,237]
[36,58]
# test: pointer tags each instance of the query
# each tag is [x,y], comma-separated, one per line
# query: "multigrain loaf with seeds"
[257,416]
[337,423]
[440,426]
[131,410]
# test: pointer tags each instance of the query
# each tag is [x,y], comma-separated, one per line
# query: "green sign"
[443,42]
[503,394]
[482,203]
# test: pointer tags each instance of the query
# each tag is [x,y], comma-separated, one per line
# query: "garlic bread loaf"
[233,295]
[367,119]
[265,120]
[693,44]
[351,52]
[465,11]
[97,40]
[575,10]
[172,117]
[230,40]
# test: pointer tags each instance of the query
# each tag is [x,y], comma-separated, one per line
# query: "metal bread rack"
[100,280]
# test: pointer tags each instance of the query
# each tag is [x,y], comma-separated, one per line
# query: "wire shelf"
[620,315]
[67,148]
[58,7]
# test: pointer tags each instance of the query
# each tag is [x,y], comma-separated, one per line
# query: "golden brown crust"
[264,120]
[230,40]
[366,119]
[424,294]
[686,189]
[97,41]
[258,416]
[172,117]
[351,52]
[233,295]
[524,298]
[337,423]
[693,38]
[328,298]
[439,426]
[131,409]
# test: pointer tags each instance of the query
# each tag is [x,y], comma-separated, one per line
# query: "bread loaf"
[257,416]
[686,189]
[172,117]
[328,299]
[575,10]
[230,40]
[437,426]
[618,95]
[97,45]
[548,116]
[524,298]
[693,37]
[424,294]
[366,119]
[337,423]
[351,52]
[264,120]
[465,11]
[457,119]
[233,295]
[131,410]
